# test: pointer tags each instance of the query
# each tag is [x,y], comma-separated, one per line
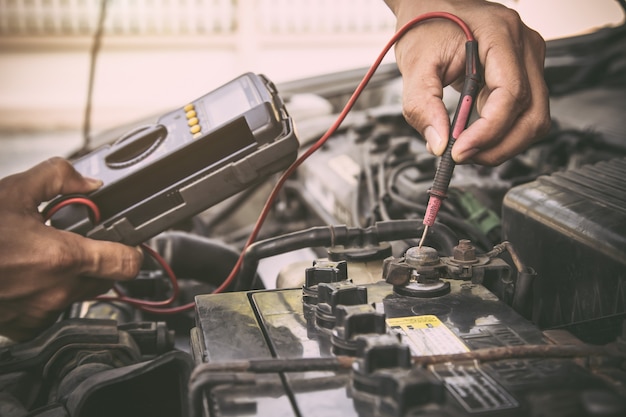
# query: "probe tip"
[423,237]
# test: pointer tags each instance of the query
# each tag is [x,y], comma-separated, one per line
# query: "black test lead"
[471,85]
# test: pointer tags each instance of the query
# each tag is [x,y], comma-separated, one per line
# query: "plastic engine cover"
[571,228]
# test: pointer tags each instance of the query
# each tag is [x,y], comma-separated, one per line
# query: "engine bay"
[514,306]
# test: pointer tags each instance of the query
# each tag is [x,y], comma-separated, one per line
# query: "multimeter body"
[190,159]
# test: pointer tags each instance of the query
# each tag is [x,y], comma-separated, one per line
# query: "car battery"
[381,326]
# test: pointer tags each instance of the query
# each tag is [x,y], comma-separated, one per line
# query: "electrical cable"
[158,307]
[382,206]
[355,200]
[450,218]
[95,48]
[369,181]
[451,221]
[145,304]
[54,206]
[325,236]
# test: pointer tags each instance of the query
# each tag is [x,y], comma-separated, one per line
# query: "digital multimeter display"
[230,101]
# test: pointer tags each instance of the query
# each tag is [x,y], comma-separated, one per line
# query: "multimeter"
[190,159]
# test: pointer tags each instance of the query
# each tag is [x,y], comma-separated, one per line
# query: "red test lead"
[471,85]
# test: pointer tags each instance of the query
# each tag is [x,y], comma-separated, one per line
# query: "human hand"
[513,104]
[43,270]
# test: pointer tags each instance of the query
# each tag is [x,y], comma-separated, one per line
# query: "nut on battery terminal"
[417,274]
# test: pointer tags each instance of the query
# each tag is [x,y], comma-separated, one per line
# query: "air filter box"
[571,228]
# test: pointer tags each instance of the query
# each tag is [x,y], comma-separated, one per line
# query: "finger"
[423,107]
[99,259]
[440,61]
[53,177]
[530,124]
[488,130]
[111,260]
[507,94]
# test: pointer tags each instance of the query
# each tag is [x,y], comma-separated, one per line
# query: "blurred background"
[147,57]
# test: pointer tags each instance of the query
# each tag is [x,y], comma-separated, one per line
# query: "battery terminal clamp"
[422,273]
[417,274]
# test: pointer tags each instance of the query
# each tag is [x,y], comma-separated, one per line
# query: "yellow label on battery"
[427,335]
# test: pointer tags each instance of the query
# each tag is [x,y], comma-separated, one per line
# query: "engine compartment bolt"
[464,251]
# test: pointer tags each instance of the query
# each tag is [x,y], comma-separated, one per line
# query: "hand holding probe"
[471,85]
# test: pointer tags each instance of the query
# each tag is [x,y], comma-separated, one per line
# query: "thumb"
[54,177]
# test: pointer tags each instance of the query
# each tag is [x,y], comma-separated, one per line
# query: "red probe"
[471,86]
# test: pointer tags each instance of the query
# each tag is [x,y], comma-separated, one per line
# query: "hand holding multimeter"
[42,269]
[190,159]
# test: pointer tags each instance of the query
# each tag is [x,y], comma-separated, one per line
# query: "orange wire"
[137,302]
[95,211]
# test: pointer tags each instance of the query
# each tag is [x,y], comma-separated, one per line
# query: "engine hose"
[196,257]
[329,236]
